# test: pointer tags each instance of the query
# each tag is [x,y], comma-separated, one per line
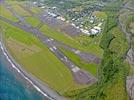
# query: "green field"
[33,21]
[31,54]
[7,14]
[37,59]
[113,70]
[20,10]
[119,44]
[101,15]
[91,47]
[90,67]
[36,10]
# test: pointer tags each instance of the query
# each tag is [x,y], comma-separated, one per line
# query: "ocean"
[13,86]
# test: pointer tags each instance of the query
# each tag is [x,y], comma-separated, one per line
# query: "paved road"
[80,76]
[90,58]
[41,87]
[54,22]
[85,56]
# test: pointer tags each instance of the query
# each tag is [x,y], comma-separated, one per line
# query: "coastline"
[41,87]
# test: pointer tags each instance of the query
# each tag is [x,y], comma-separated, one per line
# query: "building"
[94,31]
[61,18]
[97,28]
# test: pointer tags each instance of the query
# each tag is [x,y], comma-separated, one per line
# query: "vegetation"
[37,59]
[112,74]
[20,10]
[32,21]
[91,67]
[130,24]
[73,42]
[113,69]
[101,15]
[4,12]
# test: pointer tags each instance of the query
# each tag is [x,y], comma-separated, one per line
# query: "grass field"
[115,89]
[119,44]
[101,15]
[132,27]
[91,47]
[37,59]
[7,14]
[33,21]
[35,10]
[90,67]
[20,10]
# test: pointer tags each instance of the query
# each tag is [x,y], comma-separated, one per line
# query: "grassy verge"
[73,42]
[78,42]
[130,24]
[20,10]
[33,21]
[90,67]
[36,10]
[113,69]
[112,72]
[7,14]
[37,59]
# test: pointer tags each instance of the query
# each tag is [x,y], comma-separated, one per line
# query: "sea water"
[13,86]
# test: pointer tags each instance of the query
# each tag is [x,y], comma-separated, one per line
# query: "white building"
[94,31]
[61,18]
[52,14]
[97,28]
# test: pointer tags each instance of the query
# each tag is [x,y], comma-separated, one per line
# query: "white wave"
[9,60]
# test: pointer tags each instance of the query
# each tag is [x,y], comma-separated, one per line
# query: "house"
[52,14]
[99,25]
[85,31]
[94,31]
[43,7]
[61,18]
[73,24]
[97,28]
[91,21]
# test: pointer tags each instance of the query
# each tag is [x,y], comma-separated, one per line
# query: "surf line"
[21,73]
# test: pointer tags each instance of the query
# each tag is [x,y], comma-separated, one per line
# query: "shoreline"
[41,87]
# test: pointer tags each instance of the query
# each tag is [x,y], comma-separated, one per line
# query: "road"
[41,87]
[54,22]
[43,17]
[80,76]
